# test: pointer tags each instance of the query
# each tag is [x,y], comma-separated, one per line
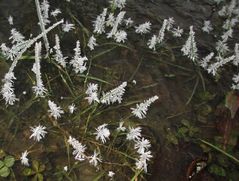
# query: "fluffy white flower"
[94,159]
[143,28]
[207,27]
[58,54]
[54,111]
[72,108]
[79,149]
[38,132]
[92,43]
[134,133]
[190,48]
[114,95]
[120,36]
[141,109]
[24,159]
[102,133]
[78,62]
[66,27]
[99,23]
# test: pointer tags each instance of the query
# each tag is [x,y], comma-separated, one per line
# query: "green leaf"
[1,164]
[28,172]
[41,168]
[232,103]
[40,177]
[185,123]
[217,170]
[35,165]
[172,138]
[4,171]
[9,161]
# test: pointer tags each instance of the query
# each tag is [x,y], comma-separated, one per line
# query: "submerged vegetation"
[79,116]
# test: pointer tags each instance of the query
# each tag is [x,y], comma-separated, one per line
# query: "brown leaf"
[232,103]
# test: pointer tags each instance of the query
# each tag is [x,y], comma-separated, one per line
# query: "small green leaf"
[1,164]
[4,171]
[9,161]
[40,177]
[41,168]
[2,154]
[35,165]
[28,172]
[185,122]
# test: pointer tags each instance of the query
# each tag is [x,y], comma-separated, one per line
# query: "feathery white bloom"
[95,159]
[177,32]
[128,22]
[39,89]
[207,27]
[102,133]
[24,159]
[92,43]
[142,145]
[38,132]
[143,28]
[54,110]
[161,34]
[79,149]
[110,20]
[66,27]
[72,108]
[120,36]
[117,22]
[153,42]
[114,95]
[236,50]
[7,90]
[55,12]
[10,20]
[121,127]
[111,174]
[134,133]
[45,11]
[190,48]
[99,23]
[141,109]
[206,60]
[92,92]
[58,54]
[118,3]
[78,62]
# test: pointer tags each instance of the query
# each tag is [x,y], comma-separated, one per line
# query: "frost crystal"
[162,31]
[118,3]
[72,108]
[55,12]
[190,48]
[206,60]
[152,42]
[134,133]
[58,54]
[78,62]
[38,132]
[177,32]
[66,27]
[94,159]
[117,22]
[102,133]
[141,109]
[143,28]
[142,145]
[24,159]
[120,36]
[114,95]
[99,23]
[236,49]
[39,89]
[79,149]
[54,111]
[10,20]
[91,91]
[207,27]
[92,43]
